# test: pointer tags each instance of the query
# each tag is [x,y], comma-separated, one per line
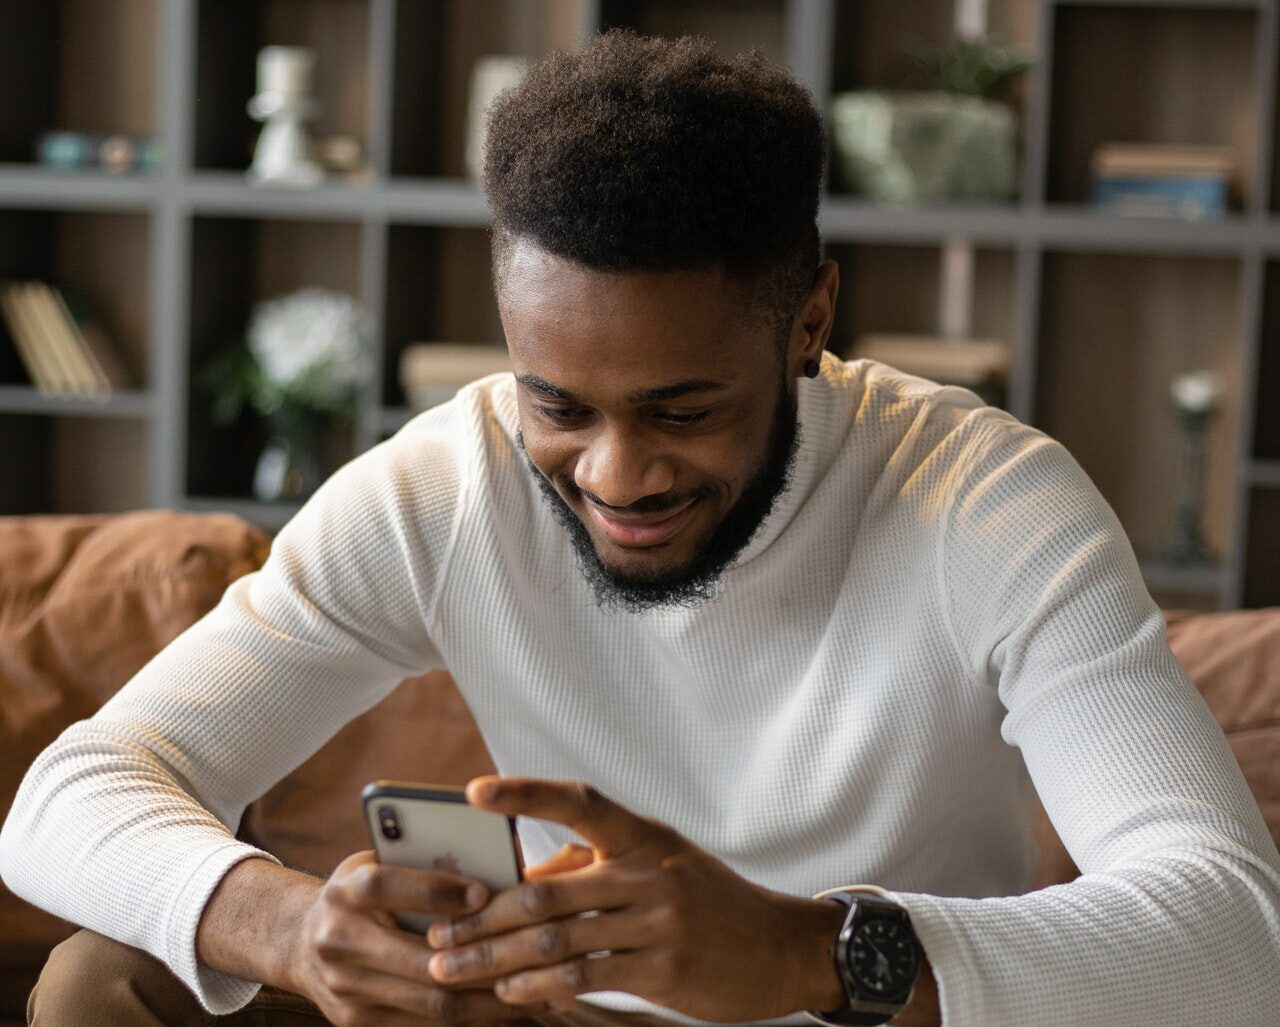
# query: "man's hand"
[353,961]
[663,919]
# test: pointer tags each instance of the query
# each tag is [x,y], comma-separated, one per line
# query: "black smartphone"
[431,827]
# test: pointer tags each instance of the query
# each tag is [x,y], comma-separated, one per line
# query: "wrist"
[819,925]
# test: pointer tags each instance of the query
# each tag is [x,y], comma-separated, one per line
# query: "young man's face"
[659,419]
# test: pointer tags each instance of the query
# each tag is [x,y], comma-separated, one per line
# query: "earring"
[811,369]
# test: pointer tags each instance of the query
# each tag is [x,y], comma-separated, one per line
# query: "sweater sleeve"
[1176,917]
[125,824]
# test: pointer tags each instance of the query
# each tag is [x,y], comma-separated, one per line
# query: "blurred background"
[241,240]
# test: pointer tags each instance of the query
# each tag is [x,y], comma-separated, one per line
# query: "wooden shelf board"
[1159,5]
[849,219]
[23,399]
[1082,227]
[33,186]
[445,202]
[1265,473]
[230,194]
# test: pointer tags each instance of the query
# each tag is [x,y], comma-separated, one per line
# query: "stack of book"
[981,365]
[61,354]
[432,372]
[1154,180]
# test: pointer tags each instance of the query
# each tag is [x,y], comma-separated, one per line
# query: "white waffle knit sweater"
[940,616]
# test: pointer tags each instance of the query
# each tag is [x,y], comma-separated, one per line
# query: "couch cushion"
[423,731]
[1234,660]
[84,603]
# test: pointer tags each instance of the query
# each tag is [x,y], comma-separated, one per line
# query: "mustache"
[654,504]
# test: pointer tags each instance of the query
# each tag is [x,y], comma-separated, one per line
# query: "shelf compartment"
[1115,330]
[229,38]
[72,464]
[76,65]
[1129,74]
[1262,537]
[436,47]
[1266,439]
[875,40]
[896,290]
[438,289]
[236,263]
[103,258]
[21,399]
[734,25]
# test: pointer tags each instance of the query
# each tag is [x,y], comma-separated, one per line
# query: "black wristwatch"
[877,956]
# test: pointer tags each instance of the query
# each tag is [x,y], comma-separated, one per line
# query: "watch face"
[882,955]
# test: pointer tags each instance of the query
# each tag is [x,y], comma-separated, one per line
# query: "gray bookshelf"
[1097,311]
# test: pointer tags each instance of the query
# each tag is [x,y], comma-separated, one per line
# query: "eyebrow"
[655,395]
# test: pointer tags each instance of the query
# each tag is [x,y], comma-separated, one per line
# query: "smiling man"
[773,652]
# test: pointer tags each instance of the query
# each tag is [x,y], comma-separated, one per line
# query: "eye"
[560,415]
[684,419]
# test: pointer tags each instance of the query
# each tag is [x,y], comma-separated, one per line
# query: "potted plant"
[954,143]
[299,367]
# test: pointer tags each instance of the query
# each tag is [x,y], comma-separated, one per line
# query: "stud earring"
[811,369]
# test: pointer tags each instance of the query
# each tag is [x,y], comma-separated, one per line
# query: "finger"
[422,1000]
[626,971]
[611,829]
[570,857]
[542,945]
[533,902]
[385,886]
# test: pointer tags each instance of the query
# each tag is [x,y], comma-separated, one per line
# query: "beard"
[698,581]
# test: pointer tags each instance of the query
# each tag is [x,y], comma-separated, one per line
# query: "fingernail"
[440,935]
[446,966]
[488,790]
[477,894]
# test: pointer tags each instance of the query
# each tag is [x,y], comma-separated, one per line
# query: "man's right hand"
[335,941]
[353,960]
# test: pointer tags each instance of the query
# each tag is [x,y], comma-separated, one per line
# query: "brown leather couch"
[85,601]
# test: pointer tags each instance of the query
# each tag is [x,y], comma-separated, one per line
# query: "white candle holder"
[284,105]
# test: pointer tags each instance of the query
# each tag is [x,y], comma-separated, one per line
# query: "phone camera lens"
[389,822]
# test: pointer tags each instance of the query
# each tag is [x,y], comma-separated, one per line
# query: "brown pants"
[92,981]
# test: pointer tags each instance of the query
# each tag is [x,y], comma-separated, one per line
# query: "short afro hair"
[647,154]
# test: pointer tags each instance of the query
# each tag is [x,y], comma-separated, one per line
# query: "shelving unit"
[1098,312]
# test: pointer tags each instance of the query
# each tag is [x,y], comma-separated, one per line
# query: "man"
[828,624]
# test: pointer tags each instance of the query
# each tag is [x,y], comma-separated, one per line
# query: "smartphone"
[434,828]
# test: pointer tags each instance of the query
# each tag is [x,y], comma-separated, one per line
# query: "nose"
[620,467]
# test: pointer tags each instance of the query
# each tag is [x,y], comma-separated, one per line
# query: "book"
[28,334]
[1150,160]
[61,348]
[1153,180]
[431,372]
[972,363]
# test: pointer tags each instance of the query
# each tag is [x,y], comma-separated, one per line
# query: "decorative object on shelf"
[1189,183]
[306,355]
[63,350]
[284,105]
[118,154]
[954,144]
[489,77]
[431,372]
[1196,398]
[980,365]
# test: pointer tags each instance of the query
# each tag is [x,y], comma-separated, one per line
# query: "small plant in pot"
[299,367]
[954,143]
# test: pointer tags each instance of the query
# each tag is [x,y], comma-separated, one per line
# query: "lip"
[641,533]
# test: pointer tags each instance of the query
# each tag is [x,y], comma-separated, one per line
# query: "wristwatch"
[877,957]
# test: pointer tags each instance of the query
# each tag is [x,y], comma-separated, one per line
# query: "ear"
[812,326]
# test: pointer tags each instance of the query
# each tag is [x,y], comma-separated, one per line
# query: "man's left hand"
[642,910]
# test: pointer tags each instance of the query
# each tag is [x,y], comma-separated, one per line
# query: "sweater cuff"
[957,977]
[219,993]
